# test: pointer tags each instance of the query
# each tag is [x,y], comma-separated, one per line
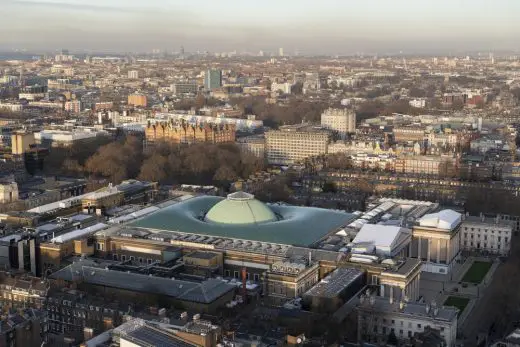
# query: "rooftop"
[514,337]
[301,226]
[155,337]
[386,239]
[335,282]
[445,219]
[149,334]
[486,220]
[415,309]
[240,208]
[203,292]
[201,255]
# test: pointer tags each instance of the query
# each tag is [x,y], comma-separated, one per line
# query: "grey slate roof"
[203,292]
[155,337]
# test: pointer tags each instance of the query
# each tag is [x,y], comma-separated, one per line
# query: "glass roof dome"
[240,208]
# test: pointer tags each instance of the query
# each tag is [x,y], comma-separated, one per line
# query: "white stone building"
[8,192]
[342,121]
[488,235]
[285,88]
[378,317]
[436,241]
[418,103]
[133,74]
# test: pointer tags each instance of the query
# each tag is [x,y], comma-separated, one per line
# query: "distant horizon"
[328,27]
[24,54]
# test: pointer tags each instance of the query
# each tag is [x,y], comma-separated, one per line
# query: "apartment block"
[294,143]
[341,121]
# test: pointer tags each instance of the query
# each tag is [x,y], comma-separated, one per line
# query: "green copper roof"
[240,208]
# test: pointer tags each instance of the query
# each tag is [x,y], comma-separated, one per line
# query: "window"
[123,257]
[419,326]
[235,274]
[149,261]
[114,256]
[256,277]
[393,322]
[140,259]
[132,258]
[227,273]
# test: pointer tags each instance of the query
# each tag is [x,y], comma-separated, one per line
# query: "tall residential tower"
[213,79]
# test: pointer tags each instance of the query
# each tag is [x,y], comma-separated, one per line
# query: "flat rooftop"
[418,310]
[201,292]
[155,337]
[201,255]
[334,283]
[299,226]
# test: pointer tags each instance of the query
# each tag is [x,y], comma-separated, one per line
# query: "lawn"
[477,272]
[458,302]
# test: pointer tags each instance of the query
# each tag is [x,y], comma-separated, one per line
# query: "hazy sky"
[311,26]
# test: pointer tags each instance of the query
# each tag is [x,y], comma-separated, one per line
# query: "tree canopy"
[203,163]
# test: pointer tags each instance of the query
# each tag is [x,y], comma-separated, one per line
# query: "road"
[488,312]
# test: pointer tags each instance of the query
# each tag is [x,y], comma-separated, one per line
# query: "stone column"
[428,245]
[448,251]
[419,247]
[382,290]
[438,250]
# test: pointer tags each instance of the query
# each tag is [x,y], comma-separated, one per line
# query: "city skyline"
[328,27]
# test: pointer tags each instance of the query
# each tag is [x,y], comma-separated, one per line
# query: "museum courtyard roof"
[240,216]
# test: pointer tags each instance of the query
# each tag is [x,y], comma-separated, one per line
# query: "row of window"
[132,258]
[393,322]
[386,331]
[499,238]
[236,274]
[485,230]
[484,246]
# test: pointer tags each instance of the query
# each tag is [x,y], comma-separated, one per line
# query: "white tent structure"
[78,234]
[445,219]
[388,240]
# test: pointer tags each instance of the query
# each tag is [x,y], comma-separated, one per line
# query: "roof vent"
[240,196]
